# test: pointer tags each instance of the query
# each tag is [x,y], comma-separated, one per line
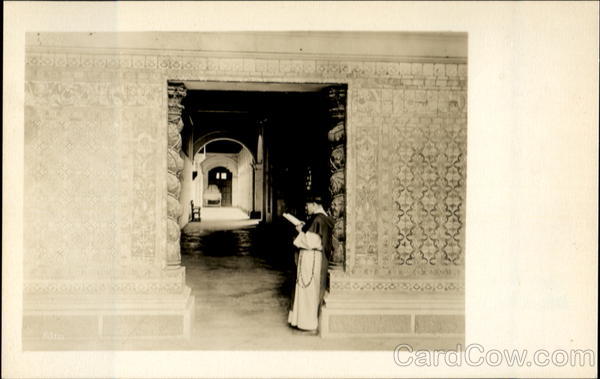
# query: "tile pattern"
[410,157]
[406,169]
[92,182]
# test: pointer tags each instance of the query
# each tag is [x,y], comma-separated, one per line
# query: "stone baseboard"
[393,315]
[72,317]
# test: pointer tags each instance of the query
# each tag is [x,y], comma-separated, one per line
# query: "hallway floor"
[242,289]
[241,297]
[223,214]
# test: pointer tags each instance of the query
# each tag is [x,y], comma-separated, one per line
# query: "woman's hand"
[299,227]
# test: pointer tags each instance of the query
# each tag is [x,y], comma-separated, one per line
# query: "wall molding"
[383,285]
[238,61]
[244,54]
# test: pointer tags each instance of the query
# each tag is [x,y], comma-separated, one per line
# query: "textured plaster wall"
[244,181]
[96,161]
[198,183]
[187,190]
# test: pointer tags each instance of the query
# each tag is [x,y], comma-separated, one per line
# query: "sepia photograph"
[166,175]
[246,192]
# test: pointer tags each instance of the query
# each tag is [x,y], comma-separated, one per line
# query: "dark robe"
[322,225]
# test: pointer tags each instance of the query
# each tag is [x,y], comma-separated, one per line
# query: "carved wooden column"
[336,108]
[177,92]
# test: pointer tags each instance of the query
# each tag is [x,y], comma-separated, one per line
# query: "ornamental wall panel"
[96,161]
[93,180]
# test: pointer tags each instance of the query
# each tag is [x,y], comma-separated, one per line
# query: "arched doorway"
[222,179]
[225,167]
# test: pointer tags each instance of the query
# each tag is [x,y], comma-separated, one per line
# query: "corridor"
[242,289]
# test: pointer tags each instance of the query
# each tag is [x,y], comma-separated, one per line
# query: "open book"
[292,219]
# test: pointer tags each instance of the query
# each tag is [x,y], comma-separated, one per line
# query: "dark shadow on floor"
[269,244]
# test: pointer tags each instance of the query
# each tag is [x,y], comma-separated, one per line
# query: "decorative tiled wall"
[96,176]
[93,181]
[410,153]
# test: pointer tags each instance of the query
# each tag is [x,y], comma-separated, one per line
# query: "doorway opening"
[257,150]
[220,177]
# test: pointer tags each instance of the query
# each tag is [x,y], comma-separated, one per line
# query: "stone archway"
[219,135]
[213,162]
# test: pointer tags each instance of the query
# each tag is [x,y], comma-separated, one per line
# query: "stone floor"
[242,278]
[222,213]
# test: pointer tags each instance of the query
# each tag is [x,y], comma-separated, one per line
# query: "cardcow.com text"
[476,355]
